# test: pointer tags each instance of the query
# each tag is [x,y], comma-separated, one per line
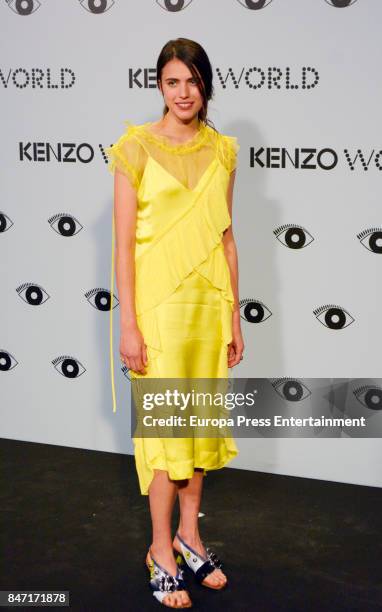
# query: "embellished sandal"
[201,566]
[162,583]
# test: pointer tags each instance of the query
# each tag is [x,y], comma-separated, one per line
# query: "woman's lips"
[184,105]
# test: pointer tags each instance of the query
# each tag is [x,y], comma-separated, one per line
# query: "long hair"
[196,59]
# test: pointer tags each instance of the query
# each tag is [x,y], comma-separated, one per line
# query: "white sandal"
[201,566]
[162,583]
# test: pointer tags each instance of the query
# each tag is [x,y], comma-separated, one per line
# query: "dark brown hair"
[196,59]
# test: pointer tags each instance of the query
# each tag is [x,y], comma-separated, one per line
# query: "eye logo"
[173,6]
[371,239]
[254,310]
[7,362]
[334,317]
[294,236]
[96,7]
[4,225]
[24,8]
[102,299]
[65,224]
[368,396]
[33,294]
[254,5]
[340,3]
[290,389]
[68,366]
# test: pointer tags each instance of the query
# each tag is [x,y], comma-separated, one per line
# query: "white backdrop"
[71,73]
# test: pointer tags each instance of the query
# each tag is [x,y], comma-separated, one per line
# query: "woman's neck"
[174,128]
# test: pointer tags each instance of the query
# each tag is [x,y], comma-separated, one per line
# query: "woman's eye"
[193,81]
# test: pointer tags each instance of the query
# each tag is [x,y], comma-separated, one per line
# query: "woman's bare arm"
[132,347]
[125,215]
[230,250]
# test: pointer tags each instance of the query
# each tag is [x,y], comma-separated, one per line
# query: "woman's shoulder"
[226,141]
[229,140]
[127,154]
[228,148]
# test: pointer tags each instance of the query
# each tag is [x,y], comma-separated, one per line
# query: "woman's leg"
[190,495]
[162,495]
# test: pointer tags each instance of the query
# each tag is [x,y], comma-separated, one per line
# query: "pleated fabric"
[183,292]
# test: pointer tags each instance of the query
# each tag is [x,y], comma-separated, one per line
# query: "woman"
[177,277]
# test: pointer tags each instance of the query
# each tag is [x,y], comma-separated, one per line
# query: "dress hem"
[144,489]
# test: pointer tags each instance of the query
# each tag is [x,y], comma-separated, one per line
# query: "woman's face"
[180,90]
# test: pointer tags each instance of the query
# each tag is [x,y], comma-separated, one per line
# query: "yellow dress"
[183,292]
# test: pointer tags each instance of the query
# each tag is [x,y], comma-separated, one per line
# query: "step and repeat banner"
[298,83]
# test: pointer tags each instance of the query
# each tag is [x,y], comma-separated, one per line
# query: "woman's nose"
[184,90]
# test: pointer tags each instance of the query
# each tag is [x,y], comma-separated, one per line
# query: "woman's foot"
[216,579]
[165,558]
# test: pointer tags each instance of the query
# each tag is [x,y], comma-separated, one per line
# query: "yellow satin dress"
[183,292]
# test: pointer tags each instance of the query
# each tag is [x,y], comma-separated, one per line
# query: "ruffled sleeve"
[128,155]
[229,150]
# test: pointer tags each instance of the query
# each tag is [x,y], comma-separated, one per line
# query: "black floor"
[74,520]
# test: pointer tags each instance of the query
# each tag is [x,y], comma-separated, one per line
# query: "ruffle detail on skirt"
[215,269]
[195,242]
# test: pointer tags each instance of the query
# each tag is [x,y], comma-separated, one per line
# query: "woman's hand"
[132,349]
[236,346]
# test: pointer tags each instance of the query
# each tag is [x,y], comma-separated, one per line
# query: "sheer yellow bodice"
[182,213]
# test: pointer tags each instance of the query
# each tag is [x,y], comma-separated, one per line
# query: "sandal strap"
[197,562]
[162,583]
[193,559]
[203,571]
